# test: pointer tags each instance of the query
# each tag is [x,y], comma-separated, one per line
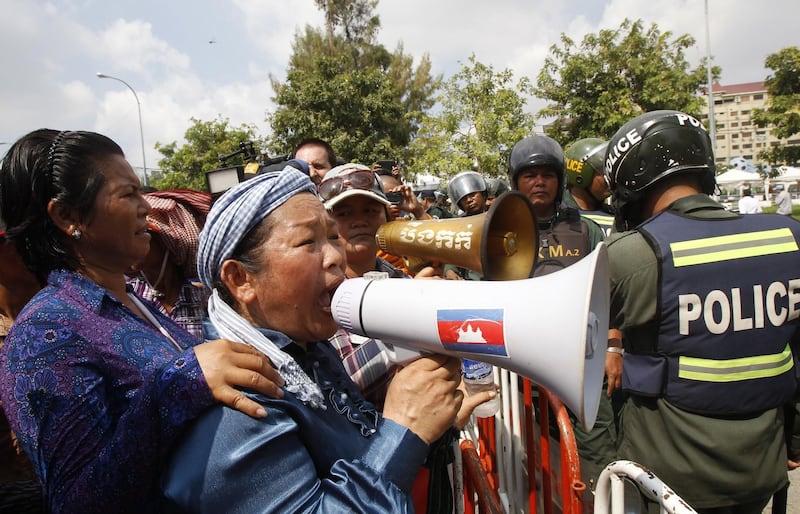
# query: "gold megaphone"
[501,244]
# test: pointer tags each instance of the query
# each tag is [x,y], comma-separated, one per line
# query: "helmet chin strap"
[156,292]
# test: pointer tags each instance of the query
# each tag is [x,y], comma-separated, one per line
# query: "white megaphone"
[551,329]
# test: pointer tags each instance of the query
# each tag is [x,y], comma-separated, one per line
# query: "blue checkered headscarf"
[231,218]
[239,210]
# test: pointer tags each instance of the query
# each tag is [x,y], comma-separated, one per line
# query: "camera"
[385,166]
[221,179]
[394,197]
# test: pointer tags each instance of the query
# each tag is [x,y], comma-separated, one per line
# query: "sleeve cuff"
[397,454]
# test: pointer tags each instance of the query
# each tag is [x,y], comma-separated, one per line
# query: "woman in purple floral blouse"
[96,384]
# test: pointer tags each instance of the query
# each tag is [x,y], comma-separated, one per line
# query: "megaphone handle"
[399,354]
[592,334]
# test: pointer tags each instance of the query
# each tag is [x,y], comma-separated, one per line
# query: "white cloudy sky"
[51,50]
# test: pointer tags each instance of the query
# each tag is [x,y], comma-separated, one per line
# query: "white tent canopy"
[787,174]
[736,177]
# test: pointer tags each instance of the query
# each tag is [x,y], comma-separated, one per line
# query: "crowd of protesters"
[173,351]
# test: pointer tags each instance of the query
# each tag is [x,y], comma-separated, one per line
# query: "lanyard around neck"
[152,319]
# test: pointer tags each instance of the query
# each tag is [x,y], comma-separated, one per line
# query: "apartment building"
[736,134]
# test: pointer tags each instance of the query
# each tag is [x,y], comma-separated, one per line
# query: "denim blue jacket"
[346,458]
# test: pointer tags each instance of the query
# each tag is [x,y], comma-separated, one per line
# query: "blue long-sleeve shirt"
[97,396]
[346,458]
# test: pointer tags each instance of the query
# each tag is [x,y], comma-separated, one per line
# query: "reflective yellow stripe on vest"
[735,246]
[732,370]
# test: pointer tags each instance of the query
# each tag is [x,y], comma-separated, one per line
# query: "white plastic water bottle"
[478,377]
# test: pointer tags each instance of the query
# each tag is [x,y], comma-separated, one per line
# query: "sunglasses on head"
[359,179]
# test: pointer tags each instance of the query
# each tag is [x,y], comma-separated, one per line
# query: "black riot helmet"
[534,152]
[465,183]
[651,147]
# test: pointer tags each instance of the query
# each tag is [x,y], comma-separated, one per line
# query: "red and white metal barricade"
[522,467]
[610,492]
[512,464]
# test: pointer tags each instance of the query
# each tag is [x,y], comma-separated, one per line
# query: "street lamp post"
[139,107]
[712,124]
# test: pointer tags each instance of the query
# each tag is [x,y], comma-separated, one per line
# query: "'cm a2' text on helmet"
[534,152]
[653,146]
[465,183]
[583,159]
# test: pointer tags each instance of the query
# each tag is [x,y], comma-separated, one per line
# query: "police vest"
[604,219]
[728,305]
[561,244]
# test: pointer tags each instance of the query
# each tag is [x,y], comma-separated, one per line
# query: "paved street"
[793,504]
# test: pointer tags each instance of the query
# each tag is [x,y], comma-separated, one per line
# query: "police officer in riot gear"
[707,301]
[586,182]
[494,188]
[536,168]
[468,190]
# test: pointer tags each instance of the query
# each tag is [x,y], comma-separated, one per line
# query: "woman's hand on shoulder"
[229,367]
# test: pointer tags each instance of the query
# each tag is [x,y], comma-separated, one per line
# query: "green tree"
[615,75]
[343,87]
[356,111]
[482,116]
[782,114]
[355,21]
[185,166]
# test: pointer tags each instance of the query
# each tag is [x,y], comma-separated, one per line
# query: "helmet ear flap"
[628,207]
[709,183]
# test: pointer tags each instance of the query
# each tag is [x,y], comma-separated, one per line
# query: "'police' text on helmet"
[653,146]
[583,159]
